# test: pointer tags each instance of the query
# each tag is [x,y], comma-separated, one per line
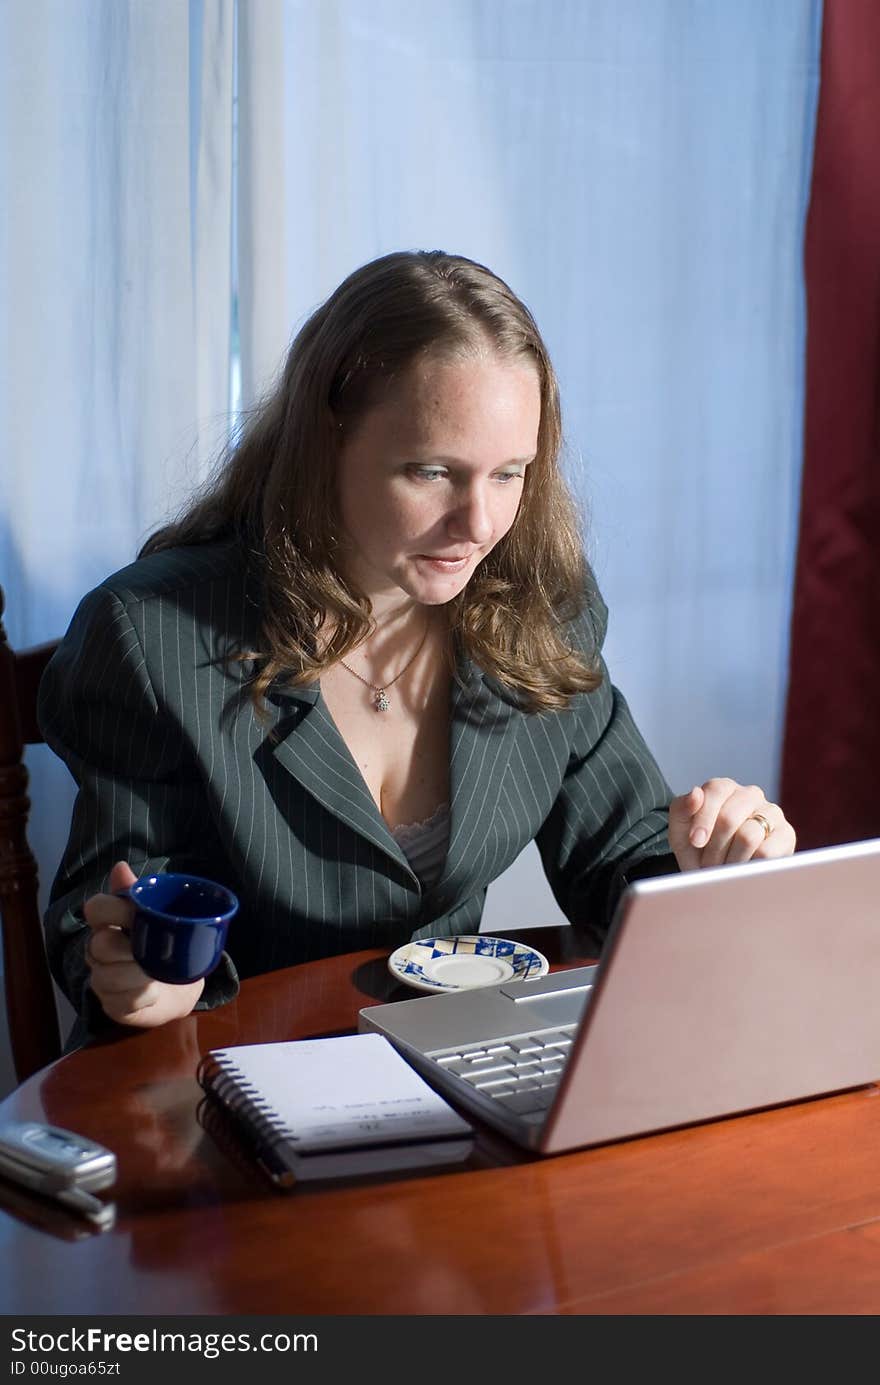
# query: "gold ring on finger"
[763,822]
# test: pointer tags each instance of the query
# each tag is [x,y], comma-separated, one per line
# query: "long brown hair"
[275,490]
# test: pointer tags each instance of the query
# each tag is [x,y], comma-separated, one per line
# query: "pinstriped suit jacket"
[175,771]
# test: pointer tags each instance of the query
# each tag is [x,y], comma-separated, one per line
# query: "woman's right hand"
[126,993]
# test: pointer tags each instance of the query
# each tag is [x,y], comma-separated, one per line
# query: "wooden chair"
[30,1000]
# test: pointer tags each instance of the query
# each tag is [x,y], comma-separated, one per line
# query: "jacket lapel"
[482,733]
[312,750]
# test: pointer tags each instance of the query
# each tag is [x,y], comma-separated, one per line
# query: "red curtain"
[831,754]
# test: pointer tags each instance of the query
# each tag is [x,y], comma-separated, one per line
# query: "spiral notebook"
[329,1108]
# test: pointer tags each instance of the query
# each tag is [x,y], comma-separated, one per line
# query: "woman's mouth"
[449,565]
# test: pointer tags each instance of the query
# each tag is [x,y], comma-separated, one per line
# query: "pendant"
[381,702]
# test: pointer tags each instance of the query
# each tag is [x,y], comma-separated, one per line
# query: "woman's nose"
[471,519]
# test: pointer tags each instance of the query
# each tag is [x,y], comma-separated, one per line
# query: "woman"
[363,670]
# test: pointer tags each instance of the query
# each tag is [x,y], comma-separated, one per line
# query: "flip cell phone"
[59,1164]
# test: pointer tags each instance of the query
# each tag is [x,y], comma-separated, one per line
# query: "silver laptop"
[718,991]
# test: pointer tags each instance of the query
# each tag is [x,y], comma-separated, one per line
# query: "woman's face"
[432,476]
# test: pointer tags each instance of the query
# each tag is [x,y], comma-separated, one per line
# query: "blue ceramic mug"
[180,924]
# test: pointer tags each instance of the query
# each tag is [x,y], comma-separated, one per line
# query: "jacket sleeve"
[139,796]
[608,825]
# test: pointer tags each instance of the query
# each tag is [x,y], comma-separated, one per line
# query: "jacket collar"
[312,750]
[482,720]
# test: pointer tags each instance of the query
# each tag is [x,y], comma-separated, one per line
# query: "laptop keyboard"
[520,1073]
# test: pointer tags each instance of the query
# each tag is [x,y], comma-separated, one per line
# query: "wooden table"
[771,1213]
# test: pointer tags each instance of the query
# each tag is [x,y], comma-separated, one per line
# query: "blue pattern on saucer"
[408,962]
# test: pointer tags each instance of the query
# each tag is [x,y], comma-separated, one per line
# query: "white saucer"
[460,964]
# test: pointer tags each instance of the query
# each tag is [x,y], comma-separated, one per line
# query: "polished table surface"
[777,1212]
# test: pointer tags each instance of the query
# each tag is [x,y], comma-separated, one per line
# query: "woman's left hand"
[721,823]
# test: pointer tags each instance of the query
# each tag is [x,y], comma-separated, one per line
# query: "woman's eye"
[427,473]
[510,475]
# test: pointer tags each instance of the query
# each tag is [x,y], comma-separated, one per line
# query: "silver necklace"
[380,698]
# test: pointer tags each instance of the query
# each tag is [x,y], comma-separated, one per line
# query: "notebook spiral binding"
[253,1116]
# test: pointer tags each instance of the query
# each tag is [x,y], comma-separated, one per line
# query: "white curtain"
[636,169]
[115,251]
